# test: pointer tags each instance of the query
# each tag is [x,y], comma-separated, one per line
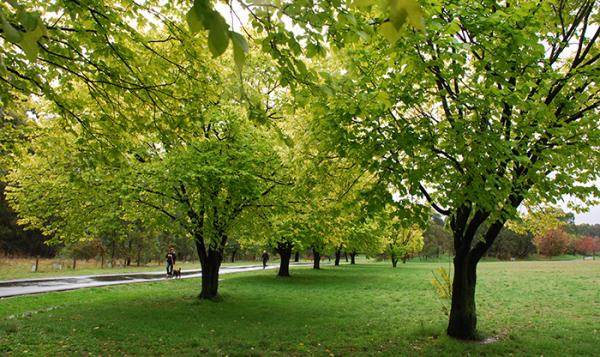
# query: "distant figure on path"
[265,258]
[171,258]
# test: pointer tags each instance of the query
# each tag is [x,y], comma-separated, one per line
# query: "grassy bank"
[531,308]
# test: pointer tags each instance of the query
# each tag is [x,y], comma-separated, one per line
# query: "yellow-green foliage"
[442,282]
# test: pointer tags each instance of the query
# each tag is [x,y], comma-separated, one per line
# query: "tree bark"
[394,260]
[297,257]
[352,257]
[139,255]
[463,316]
[129,248]
[346,256]
[285,253]
[316,259]
[233,255]
[338,256]
[210,273]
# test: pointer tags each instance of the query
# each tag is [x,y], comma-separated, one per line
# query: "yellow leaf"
[389,32]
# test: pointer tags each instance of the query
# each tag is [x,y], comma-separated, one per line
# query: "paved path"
[36,286]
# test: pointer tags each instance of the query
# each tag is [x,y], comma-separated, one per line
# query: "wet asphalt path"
[37,286]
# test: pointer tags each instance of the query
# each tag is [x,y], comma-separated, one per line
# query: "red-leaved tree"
[588,245]
[552,243]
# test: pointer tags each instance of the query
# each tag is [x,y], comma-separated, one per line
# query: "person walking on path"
[171,258]
[265,258]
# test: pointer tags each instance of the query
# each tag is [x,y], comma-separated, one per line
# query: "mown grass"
[532,308]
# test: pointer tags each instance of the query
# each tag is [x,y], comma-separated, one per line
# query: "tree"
[552,243]
[197,161]
[403,242]
[436,238]
[510,244]
[588,245]
[473,115]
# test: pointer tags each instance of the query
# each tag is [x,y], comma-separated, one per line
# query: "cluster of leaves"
[202,17]
[21,27]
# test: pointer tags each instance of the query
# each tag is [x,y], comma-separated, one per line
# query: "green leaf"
[363,35]
[388,30]
[406,11]
[29,20]
[193,21]
[11,34]
[363,3]
[218,35]
[452,27]
[239,41]
[240,48]
[198,16]
[29,42]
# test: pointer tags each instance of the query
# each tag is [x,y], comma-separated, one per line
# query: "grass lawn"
[532,308]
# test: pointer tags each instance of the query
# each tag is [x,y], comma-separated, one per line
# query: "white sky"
[592,217]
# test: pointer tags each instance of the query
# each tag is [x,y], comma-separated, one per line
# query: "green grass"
[533,308]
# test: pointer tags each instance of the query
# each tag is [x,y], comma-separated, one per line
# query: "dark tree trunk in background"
[297,257]
[233,255]
[346,256]
[352,257]
[128,259]
[112,254]
[394,260]
[74,263]
[37,262]
[284,249]
[139,256]
[316,259]
[338,256]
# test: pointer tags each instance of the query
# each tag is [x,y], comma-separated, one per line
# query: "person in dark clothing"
[171,258]
[265,258]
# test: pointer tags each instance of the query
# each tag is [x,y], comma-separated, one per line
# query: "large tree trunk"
[210,273]
[338,256]
[285,253]
[352,257]
[463,316]
[316,259]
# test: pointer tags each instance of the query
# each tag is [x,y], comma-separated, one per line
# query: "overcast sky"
[591,217]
